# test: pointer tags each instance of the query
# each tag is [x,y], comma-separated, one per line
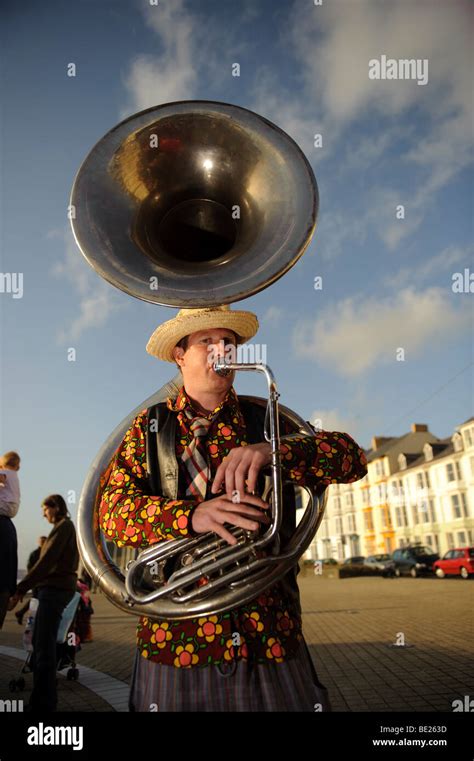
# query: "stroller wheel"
[69,675]
[20,683]
[76,674]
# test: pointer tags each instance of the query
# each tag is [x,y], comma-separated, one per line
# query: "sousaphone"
[196,204]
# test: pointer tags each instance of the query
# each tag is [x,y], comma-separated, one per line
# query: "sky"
[387,276]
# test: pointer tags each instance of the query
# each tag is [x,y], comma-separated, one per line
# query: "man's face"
[204,348]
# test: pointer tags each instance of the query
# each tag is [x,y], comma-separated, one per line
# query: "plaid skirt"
[241,686]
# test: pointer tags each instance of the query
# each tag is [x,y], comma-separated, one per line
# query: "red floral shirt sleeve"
[329,457]
[128,515]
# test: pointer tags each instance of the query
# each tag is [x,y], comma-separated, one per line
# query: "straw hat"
[167,335]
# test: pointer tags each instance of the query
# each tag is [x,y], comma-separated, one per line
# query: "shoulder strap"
[161,462]
[254,416]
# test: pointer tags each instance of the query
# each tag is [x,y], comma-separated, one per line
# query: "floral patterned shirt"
[266,629]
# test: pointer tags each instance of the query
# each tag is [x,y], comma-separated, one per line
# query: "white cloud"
[449,260]
[96,298]
[337,232]
[333,44]
[359,333]
[273,315]
[287,110]
[369,150]
[195,55]
[333,420]
[171,75]
[248,11]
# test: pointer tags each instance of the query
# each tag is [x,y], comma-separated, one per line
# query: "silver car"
[382,563]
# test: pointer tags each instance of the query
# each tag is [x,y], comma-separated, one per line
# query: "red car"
[458,562]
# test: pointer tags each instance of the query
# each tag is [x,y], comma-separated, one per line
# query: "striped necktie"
[194,456]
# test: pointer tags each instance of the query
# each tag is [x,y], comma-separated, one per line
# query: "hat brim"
[166,336]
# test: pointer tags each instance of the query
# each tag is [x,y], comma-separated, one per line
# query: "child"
[9,484]
[9,504]
[84,613]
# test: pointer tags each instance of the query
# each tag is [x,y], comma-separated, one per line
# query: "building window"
[454,471]
[468,437]
[351,522]
[369,526]
[459,505]
[426,513]
[432,541]
[450,540]
[432,511]
[423,480]
[349,500]
[423,511]
[392,491]
[401,513]
[416,517]
[339,526]
[461,538]
[456,506]
[400,492]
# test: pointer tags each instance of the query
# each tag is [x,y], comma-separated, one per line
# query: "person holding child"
[9,506]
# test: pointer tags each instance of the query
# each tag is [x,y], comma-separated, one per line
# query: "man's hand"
[242,464]
[213,513]
[13,601]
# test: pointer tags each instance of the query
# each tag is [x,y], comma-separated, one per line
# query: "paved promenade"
[351,626]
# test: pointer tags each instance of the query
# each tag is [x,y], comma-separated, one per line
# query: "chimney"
[419,427]
[377,441]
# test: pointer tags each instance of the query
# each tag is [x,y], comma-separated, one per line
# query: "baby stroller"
[66,642]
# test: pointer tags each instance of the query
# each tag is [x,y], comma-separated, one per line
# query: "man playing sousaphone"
[253,658]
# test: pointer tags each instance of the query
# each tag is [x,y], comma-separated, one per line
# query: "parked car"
[458,562]
[382,563]
[355,560]
[415,560]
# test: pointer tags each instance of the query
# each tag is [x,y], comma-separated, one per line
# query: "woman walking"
[54,575]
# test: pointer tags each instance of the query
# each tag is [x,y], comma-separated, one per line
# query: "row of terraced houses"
[418,488]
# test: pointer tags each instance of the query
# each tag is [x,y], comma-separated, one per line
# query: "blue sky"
[387,283]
